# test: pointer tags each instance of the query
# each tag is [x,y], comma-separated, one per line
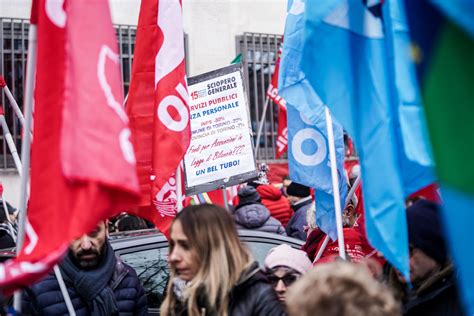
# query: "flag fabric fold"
[272,94]
[158,108]
[82,161]
[370,88]
[308,154]
[459,11]
[445,45]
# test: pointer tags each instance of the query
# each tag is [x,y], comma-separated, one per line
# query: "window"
[13,57]
[152,269]
[13,51]
[259,52]
[126,41]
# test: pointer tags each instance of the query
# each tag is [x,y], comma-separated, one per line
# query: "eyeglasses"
[287,279]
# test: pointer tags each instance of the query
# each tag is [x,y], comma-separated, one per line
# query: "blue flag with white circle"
[308,152]
[356,57]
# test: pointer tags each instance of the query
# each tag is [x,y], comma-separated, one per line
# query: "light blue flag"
[308,153]
[461,12]
[366,78]
[458,223]
[445,37]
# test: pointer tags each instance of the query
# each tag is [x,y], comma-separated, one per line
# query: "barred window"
[258,55]
[13,57]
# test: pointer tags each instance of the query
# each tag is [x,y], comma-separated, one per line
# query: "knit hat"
[425,231]
[286,256]
[298,190]
[248,195]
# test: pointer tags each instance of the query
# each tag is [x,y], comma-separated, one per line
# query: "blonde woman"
[211,272]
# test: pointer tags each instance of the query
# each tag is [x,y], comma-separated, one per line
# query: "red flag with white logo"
[272,94]
[158,108]
[82,162]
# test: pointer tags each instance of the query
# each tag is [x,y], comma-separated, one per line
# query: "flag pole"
[26,144]
[179,190]
[10,143]
[260,127]
[321,249]
[13,102]
[353,188]
[62,286]
[348,198]
[224,195]
[335,184]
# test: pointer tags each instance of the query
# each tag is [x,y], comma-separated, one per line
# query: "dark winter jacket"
[252,295]
[257,217]
[45,297]
[275,202]
[6,238]
[298,220]
[437,296]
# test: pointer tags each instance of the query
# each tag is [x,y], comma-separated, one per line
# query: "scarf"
[92,285]
[179,289]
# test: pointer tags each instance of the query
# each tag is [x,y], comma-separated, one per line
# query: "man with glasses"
[283,266]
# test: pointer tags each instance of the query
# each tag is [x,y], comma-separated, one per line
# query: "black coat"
[45,298]
[252,295]
[437,296]
[6,239]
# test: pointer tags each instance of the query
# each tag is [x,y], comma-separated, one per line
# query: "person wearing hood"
[251,214]
[277,204]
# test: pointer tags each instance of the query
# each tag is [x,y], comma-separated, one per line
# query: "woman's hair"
[221,258]
[340,288]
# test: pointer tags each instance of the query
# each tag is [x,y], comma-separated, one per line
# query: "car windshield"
[151,262]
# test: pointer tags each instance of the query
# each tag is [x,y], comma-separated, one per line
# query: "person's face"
[182,257]
[281,279]
[421,266]
[13,217]
[350,216]
[87,251]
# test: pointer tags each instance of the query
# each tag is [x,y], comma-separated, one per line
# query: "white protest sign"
[221,152]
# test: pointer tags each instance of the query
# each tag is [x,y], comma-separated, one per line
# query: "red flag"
[272,94]
[158,107]
[82,163]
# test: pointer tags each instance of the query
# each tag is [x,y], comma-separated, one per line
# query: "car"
[147,252]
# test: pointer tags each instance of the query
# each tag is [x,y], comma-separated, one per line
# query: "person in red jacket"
[275,202]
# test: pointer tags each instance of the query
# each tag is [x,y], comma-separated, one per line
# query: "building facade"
[216,32]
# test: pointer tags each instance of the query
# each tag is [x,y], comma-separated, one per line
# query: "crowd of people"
[213,273]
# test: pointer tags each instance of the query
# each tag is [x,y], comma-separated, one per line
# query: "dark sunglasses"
[287,279]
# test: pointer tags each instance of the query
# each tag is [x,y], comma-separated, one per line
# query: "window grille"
[13,57]
[258,55]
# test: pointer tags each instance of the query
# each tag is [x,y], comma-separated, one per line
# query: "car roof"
[123,240]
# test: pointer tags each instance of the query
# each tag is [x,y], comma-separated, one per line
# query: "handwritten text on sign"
[220,145]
